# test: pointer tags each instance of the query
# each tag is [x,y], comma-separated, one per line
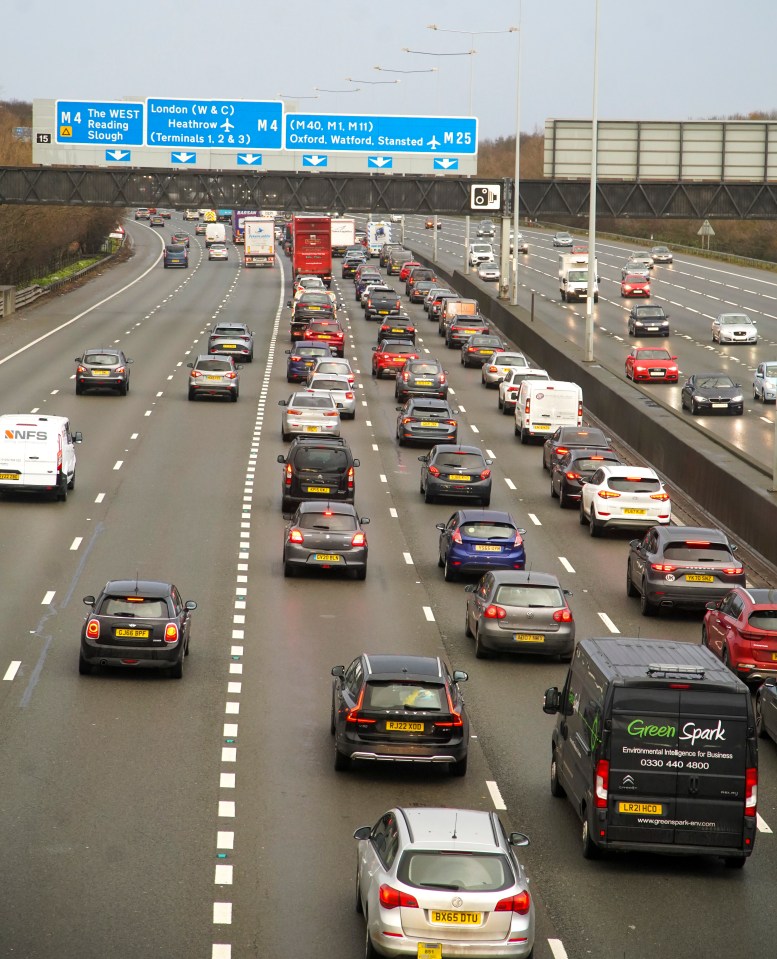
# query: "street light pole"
[592,279]
[516,191]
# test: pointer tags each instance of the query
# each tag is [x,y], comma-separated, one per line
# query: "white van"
[215,233]
[480,253]
[542,407]
[37,454]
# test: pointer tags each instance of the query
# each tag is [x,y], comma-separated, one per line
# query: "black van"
[655,747]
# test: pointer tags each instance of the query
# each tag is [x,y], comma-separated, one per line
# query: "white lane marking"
[236,650]
[535,519]
[461,409]
[608,623]
[566,564]
[393,513]
[428,613]
[510,483]
[230,731]
[134,436]
[221,950]
[762,827]
[408,559]
[13,669]
[232,708]
[225,840]
[227,781]
[557,948]
[496,796]
[222,913]
[76,542]
[228,754]
[226,809]
[474,429]
[118,464]
[383,478]
[375,447]
[223,876]
[47,599]
[491,454]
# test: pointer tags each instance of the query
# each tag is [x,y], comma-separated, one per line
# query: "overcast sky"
[686,59]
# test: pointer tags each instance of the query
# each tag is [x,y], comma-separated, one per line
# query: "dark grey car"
[105,368]
[326,535]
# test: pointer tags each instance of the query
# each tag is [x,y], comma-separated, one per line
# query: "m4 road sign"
[92,122]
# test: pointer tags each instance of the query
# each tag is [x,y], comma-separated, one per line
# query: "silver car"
[445,877]
[308,413]
[218,251]
[765,382]
[333,365]
[734,328]
[494,371]
[523,246]
[433,293]
[214,376]
[489,272]
[636,268]
[563,239]
[661,254]
[339,388]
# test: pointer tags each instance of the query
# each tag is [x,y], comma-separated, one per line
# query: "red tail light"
[287,475]
[526,408]
[494,612]
[443,380]
[450,422]
[390,898]
[734,570]
[456,538]
[602,783]
[295,536]
[751,791]
[231,376]
[93,629]
[563,616]
[349,395]
[294,359]
[350,477]
[195,373]
[662,497]
[520,903]
[485,474]
[518,541]
[171,633]
[81,369]
[359,539]
[608,494]
[293,412]
[434,472]
[580,409]
[663,567]
[331,413]
[561,450]
[352,715]
[573,476]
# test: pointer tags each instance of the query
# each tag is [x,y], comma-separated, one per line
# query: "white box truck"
[37,454]
[378,233]
[573,277]
[215,233]
[343,235]
[543,406]
[259,241]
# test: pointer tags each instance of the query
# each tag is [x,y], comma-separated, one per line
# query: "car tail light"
[455,722]
[526,408]
[293,412]
[561,451]
[81,369]
[608,494]
[295,536]
[390,898]
[751,790]
[456,538]
[563,616]
[573,476]
[171,633]
[662,497]
[485,474]
[405,377]
[443,380]
[350,478]
[349,395]
[435,472]
[494,612]
[520,903]
[409,419]
[231,376]
[734,570]
[195,373]
[580,409]
[450,422]
[352,715]
[518,541]
[331,413]
[359,539]
[601,784]
[663,567]
[287,475]
[93,629]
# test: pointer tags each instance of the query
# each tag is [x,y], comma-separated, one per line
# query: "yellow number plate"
[693,578]
[541,426]
[460,476]
[399,329]
[529,638]
[641,808]
[9,476]
[132,633]
[319,489]
[311,429]
[450,918]
[429,950]
[488,549]
[212,377]
[488,352]
[229,346]
[426,423]
[404,727]
[101,372]
[327,557]
[635,512]
[423,382]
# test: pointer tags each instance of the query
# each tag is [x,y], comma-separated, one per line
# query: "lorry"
[223,216]
[343,235]
[312,250]
[573,277]
[258,241]
[237,223]
[378,233]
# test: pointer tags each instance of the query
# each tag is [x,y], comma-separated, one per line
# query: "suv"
[572,437]
[399,707]
[142,213]
[214,376]
[176,254]
[317,467]
[486,228]
[310,306]
[232,339]
[741,629]
[421,378]
[644,318]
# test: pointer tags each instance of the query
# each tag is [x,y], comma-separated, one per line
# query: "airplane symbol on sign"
[228,126]
[433,143]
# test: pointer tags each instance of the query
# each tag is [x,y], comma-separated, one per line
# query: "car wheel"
[369,950]
[755,394]
[450,573]
[459,768]
[694,408]
[360,573]
[285,436]
[123,389]
[480,651]
[553,493]
[84,667]
[760,728]
[357,899]
[500,404]
[594,527]
[289,570]
[726,658]
[556,789]
[61,491]
[564,501]
[467,631]
[590,849]
[704,637]
[176,670]
[342,762]
[191,394]
[524,436]
[631,589]
[583,518]
[79,389]
[234,396]
[72,483]
[645,606]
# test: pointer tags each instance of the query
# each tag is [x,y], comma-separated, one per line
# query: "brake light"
[352,715]
[390,898]
[359,539]
[450,422]
[442,379]
[563,616]
[663,567]
[293,412]
[561,450]
[350,477]
[231,376]
[81,369]
[456,721]
[494,612]
[195,373]
[409,419]
[663,497]
[171,633]
[287,475]
[456,538]
[601,784]
[405,377]
[295,536]
[93,629]
[751,790]
[331,413]
[526,408]
[580,409]
[349,395]
[734,570]
[485,474]
[435,472]
[520,903]
[573,476]
[608,494]
[518,541]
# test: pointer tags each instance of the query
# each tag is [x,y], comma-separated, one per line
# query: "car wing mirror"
[288,352]
[440,527]
[283,402]
[281,458]
[568,592]
[338,671]
[425,457]
[190,365]
[364,520]
[552,701]
[78,437]
[363,832]
[357,463]
[190,605]
[89,600]
[518,839]
[470,587]
[713,604]
[460,676]
[634,544]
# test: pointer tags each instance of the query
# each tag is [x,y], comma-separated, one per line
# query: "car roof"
[486,516]
[524,577]
[317,506]
[141,587]
[455,448]
[390,666]
[430,402]
[760,597]
[579,432]
[446,828]
[211,356]
[102,349]
[693,532]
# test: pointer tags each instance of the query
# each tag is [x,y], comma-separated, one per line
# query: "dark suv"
[421,378]
[317,467]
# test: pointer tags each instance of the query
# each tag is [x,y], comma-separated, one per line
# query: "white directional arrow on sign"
[183,157]
[117,154]
[445,163]
[313,160]
[379,161]
[249,158]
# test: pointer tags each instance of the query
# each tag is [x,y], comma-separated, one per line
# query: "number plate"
[719,406]
[774,656]
[641,808]
[695,578]
[328,557]
[541,426]
[311,429]
[319,489]
[635,512]
[212,377]
[487,352]
[101,372]
[480,548]
[126,633]
[529,638]
[460,476]
[396,726]
[423,382]
[450,918]
[229,346]
[9,476]
[429,950]
[427,423]
[400,329]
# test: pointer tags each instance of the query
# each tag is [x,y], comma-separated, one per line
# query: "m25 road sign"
[361,133]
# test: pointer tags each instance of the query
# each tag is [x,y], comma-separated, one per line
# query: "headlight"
[738,398]
[699,398]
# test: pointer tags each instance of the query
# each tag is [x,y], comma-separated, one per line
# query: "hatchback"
[461,472]
[624,497]
[325,535]
[645,319]
[481,349]
[303,358]
[570,437]
[425,420]
[180,237]
[103,369]
[488,272]
[633,284]
[200,229]
[136,623]
[407,266]
[337,365]
[420,289]
[218,251]
[349,266]
[232,339]
[576,467]
[399,708]
[326,331]
[307,413]
[520,612]
[214,376]
[421,378]
[646,364]
[391,356]
[683,567]
[477,540]
[562,239]
[462,328]
[443,882]
[339,388]
[741,628]
[317,467]
[176,254]
[496,368]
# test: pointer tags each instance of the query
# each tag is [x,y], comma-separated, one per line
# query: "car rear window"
[423,369]
[315,299]
[229,331]
[698,552]
[321,383]
[634,484]
[309,401]
[214,366]
[764,619]
[101,359]
[393,694]
[588,464]
[175,248]
[134,606]
[329,521]
[488,530]
[535,597]
[320,460]
[454,870]
[460,461]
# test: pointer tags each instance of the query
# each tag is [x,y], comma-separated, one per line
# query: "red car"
[635,285]
[648,364]
[396,328]
[326,331]
[741,629]
[404,270]
[390,356]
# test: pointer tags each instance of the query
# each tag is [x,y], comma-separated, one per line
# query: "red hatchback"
[649,364]
[634,285]
[321,331]
[741,629]
[407,266]
[391,356]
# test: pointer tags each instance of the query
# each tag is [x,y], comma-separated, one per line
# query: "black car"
[424,420]
[480,349]
[648,320]
[317,467]
[462,328]
[310,306]
[460,472]
[382,302]
[399,707]
[136,623]
[350,265]
[421,378]
[572,437]
[323,535]
[576,467]
[712,393]
[397,327]
[386,250]
[766,709]
[105,368]
[419,290]
[682,567]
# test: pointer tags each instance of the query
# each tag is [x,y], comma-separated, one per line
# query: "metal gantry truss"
[379,193]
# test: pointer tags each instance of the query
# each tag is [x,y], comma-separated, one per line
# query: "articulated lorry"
[312,251]
[237,223]
[258,241]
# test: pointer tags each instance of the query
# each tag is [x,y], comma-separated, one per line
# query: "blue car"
[303,358]
[474,541]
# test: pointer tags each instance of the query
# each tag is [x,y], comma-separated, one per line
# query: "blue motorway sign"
[85,121]
[359,133]
[257,124]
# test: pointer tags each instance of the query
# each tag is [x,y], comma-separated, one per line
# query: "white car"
[510,386]
[433,293]
[339,388]
[765,382]
[218,251]
[493,371]
[734,328]
[334,365]
[396,217]
[563,239]
[489,272]
[191,215]
[305,412]
[624,497]
[307,284]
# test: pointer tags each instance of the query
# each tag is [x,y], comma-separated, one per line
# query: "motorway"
[142,816]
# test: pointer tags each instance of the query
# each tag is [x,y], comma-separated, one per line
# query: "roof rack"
[673,669]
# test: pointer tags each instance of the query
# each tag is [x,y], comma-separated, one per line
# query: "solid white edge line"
[496,796]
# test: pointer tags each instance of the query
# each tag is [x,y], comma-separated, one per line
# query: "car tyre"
[286,505]
[582,516]
[594,527]
[79,389]
[84,667]
[524,436]
[176,670]
[760,728]
[459,768]
[734,862]
[694,408]
[360,573]
[645,606]
[450,573]
[342,762]
[288,570]
[631,589]
[467,631]
[72,483]
[725,658]
[553,493]
[480,651]
[590,849]
[357,899]
[191,394]
[556,789]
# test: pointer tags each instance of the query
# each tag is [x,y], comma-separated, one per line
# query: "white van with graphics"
[37,454]
[543,406]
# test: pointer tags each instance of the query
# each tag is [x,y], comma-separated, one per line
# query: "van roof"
[31,419]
